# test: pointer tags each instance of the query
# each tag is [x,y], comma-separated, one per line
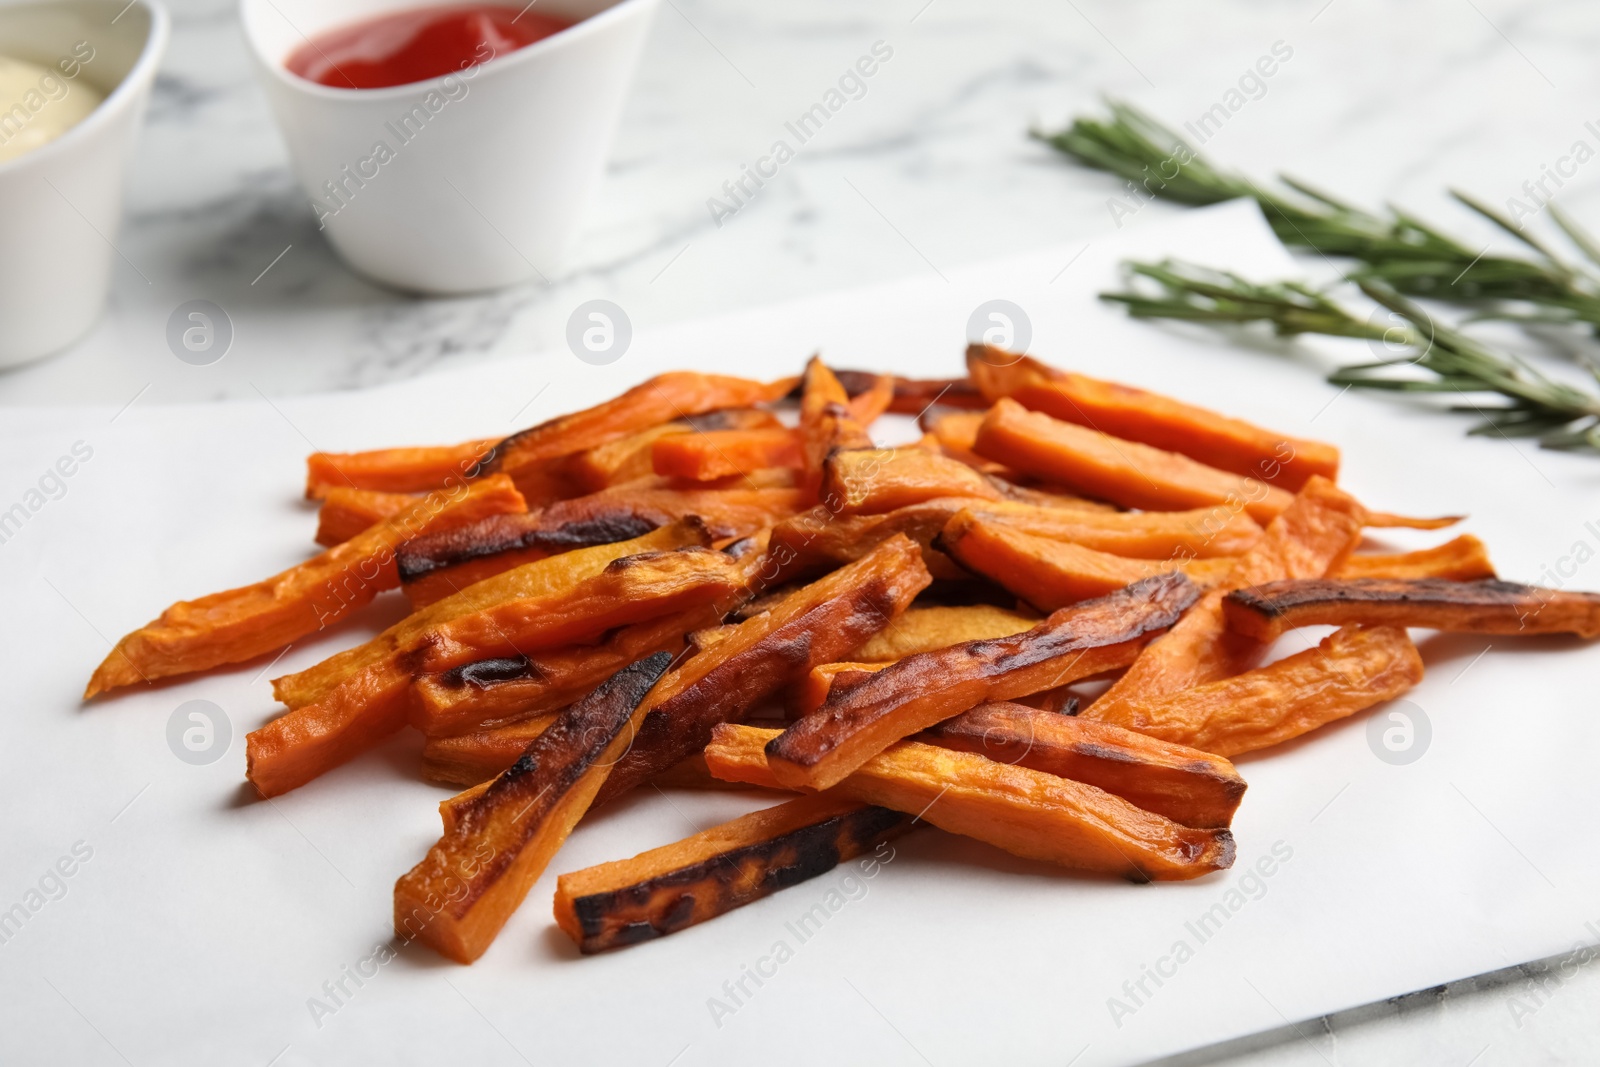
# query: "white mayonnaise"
[37,105]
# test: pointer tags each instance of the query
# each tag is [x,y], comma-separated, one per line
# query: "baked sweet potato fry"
[528,456]
[432,568]
[912,396]
[717,870]
[1313,536]
[630,458]
[461,894]
[395,470]
[811,692]
[1109,468]
[1351,670]
[1263,612]
[924,629]
[1052,574]
[1385,519]
[473,758]
[869,481]
[1026,812]
[1462,559]
[704,457]
[1186,785]
[1159,421]
[817,624]
[350,701]
[915,693]
[498,691]
[1203,533]
[346,512]
[826,422]
[241,624]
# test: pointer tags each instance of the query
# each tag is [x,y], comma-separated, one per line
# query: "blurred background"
[930,169]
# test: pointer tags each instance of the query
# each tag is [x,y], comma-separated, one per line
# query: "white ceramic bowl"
[60,204]
[485,173]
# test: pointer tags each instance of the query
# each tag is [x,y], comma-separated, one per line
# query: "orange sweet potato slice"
[395,470]
[924,629]
[529,455]
[1026,812]
[435,567]
[717,870]
[240,624]
[867,481]
[630,458]
[826,422]
[704,457]
[811,692]
[1052,574]
[1202,533]
[346,512]
[1486,607]
[1462,559]
[494,692]
[1124,472]
[472,758]
[461,894]
[817,624]
[1153,419]
[1351,670]
[1186,785]
[915,693]
[1311,537]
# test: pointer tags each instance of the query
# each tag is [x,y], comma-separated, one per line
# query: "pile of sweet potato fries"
[679,587]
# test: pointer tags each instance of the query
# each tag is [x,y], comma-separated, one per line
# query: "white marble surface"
[931,169]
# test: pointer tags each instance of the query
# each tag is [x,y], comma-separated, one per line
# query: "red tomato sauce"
[418,44]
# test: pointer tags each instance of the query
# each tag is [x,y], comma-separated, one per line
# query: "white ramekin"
[483,186]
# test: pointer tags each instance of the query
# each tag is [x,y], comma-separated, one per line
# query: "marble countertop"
[931,169]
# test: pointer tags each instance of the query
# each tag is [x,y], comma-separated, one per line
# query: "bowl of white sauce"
[74,78]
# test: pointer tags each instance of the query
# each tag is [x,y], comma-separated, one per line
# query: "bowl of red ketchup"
[448,147]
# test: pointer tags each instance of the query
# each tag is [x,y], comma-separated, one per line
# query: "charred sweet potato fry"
[816,540]
[1310,538]
[1026,812]
[472,758]
[1124,472]
[395,470]
[704,457]
[919,691]
[346,512]
[240,624]
[435,567]
[528,456]
[630,458]
[1351,670]
[1463,559]
[1185,784]
[924,629]
[1159,421]
[817,624]
[493,692]
[351,701]
[461,894]
[1487,607]
[717,870]
[1052,574]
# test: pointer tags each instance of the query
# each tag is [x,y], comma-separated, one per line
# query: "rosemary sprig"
[1396,249]
[1559,415]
